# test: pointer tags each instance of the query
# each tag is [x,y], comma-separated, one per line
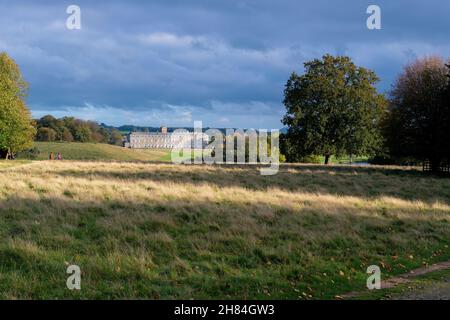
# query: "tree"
[116,138]
[66,135]
[48,121]
[446,103]
[70,129]
[82,133]
[333,109]
[46,134]
[16,126]
[418,123]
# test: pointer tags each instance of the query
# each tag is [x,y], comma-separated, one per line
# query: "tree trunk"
[327,158]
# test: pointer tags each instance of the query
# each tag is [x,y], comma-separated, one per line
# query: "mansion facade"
[164,139]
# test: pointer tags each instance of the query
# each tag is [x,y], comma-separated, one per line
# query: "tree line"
[333,108]
[69,129]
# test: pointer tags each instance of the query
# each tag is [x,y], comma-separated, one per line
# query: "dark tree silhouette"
[419,120]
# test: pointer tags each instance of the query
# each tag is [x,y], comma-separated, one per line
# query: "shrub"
[30,154]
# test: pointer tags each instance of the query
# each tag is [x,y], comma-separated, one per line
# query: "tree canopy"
[419,120]
[71,129]
[333,109]
[16,127]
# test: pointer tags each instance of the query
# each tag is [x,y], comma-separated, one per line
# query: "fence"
[444,167]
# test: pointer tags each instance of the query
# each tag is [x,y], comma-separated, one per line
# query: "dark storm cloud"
[223,62]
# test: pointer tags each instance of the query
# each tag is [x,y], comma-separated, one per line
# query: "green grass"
[99,151]
[163,231]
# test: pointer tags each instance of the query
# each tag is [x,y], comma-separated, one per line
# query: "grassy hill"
[99,151]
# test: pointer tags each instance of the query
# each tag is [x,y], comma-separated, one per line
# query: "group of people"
[58,156]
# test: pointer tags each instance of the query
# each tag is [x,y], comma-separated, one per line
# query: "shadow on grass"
[181,249]
[365,182]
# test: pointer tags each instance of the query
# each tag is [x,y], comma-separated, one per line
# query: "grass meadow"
[164,231]
[99,151]
[107,152]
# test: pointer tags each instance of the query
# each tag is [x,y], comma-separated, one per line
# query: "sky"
[225,63]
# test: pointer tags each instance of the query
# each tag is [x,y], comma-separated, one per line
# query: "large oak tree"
[333,109]
[16,129]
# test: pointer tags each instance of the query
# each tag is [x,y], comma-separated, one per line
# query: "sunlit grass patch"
[4,164]
[99,151]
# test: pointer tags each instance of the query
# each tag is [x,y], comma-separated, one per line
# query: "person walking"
[51,157]
[59,156]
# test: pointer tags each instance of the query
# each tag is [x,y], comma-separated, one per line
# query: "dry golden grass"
[172,231]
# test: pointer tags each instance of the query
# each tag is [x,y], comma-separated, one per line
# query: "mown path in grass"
[437,290]
[425,283]
[141,230]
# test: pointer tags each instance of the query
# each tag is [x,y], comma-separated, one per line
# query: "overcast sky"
[223,62]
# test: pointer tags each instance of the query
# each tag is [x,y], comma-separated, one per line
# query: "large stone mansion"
[163,139]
